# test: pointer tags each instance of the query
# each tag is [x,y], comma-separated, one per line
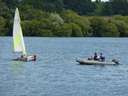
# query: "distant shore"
[47,19]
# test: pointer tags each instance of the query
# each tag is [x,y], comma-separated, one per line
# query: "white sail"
[18,41]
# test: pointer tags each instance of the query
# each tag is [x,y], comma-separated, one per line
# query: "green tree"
[72,17]
[56,22]
[2,26]
[122,27]
[102,27]
[53,5]
[110,30]
[80,6]
[37,28]
[27,12]
[65,30]
[97,25]
[98,7]
[12,3]
[107,9]
[36,4]
[4,11]
[119,6]
[76,31]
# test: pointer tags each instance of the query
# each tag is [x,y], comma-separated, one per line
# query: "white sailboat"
[18,40]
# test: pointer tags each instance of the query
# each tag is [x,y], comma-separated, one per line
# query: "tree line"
[66,18]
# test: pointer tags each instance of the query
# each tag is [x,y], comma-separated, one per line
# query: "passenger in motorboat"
[90,58]
[97,58]
[102,58]
[35,57]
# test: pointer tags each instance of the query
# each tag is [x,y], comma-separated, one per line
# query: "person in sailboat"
[20,58]
[27,58]
[33,57]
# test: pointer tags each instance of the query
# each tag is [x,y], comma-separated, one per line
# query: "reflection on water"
[17,67]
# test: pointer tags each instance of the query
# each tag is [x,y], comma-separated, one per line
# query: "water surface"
[56,73]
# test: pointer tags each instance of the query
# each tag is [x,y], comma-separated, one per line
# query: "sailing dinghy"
[18,40]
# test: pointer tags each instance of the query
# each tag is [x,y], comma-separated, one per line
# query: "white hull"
[93,62]
[26,58]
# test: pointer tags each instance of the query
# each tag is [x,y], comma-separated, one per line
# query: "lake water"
[56,73]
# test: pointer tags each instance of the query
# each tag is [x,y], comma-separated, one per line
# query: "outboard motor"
[115,61]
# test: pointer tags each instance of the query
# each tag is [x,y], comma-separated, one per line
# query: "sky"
[101,0]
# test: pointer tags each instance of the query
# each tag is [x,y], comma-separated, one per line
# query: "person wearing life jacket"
[95,56]
[34,57]
[102,58]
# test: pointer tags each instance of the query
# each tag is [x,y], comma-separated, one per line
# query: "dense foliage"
[66,18]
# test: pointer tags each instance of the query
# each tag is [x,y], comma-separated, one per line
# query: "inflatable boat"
[93,62]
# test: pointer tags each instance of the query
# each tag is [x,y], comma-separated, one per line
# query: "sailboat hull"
[26,58]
